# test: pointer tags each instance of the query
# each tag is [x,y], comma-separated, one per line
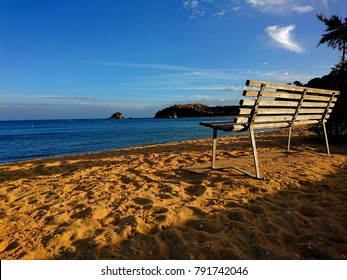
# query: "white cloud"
[221,13]
[325,3]
[284,6]
[200,8]
[234,89]
[267,4]
[191,4]
[195,7]
[282,35]
[169,67]
[304,9]
[174,83]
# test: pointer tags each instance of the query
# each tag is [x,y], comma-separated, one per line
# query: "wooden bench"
[275,106]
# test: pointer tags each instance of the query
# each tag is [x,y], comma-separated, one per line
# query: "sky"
[62,59]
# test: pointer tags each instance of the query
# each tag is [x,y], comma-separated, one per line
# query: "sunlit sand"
[163,202]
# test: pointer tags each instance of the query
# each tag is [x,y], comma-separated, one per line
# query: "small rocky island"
[195,110]
[117,116]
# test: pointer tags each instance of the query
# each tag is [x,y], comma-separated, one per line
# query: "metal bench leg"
[326,138]
[214,147]
[255,155]
[289,135]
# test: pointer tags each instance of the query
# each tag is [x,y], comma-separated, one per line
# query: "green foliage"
[195,110]
[335,80]
[335,36]
[296,83]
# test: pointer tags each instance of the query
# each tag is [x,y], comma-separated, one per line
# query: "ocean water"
[25,140]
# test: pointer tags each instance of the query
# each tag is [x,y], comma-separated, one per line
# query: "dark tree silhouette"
[335,35]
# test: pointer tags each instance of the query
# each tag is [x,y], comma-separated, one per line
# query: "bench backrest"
[278,106]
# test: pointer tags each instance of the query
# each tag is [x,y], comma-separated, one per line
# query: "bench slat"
[216,124]
[283,103]
[282,124]
[263,125]
[280,111]
[253,83]
[288,95]
[225,126]
[272,94]
[279,118]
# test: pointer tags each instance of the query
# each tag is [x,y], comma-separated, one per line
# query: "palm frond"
[335,35]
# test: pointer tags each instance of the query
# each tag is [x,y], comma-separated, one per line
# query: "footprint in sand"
[195,190]
[159,210]
[13,245]
[142,201]
[198,212]
[206,225]
[82,214]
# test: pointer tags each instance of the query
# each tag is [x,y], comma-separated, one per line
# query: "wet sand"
[163,202]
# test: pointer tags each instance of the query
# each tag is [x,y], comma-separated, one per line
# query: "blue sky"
[89,58]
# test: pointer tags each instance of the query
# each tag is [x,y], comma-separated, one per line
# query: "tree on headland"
[337,123]
[296,83]
[335,35]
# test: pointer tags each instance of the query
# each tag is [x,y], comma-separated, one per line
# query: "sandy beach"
[163,202]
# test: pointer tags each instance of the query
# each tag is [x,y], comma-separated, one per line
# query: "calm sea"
[24,140]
